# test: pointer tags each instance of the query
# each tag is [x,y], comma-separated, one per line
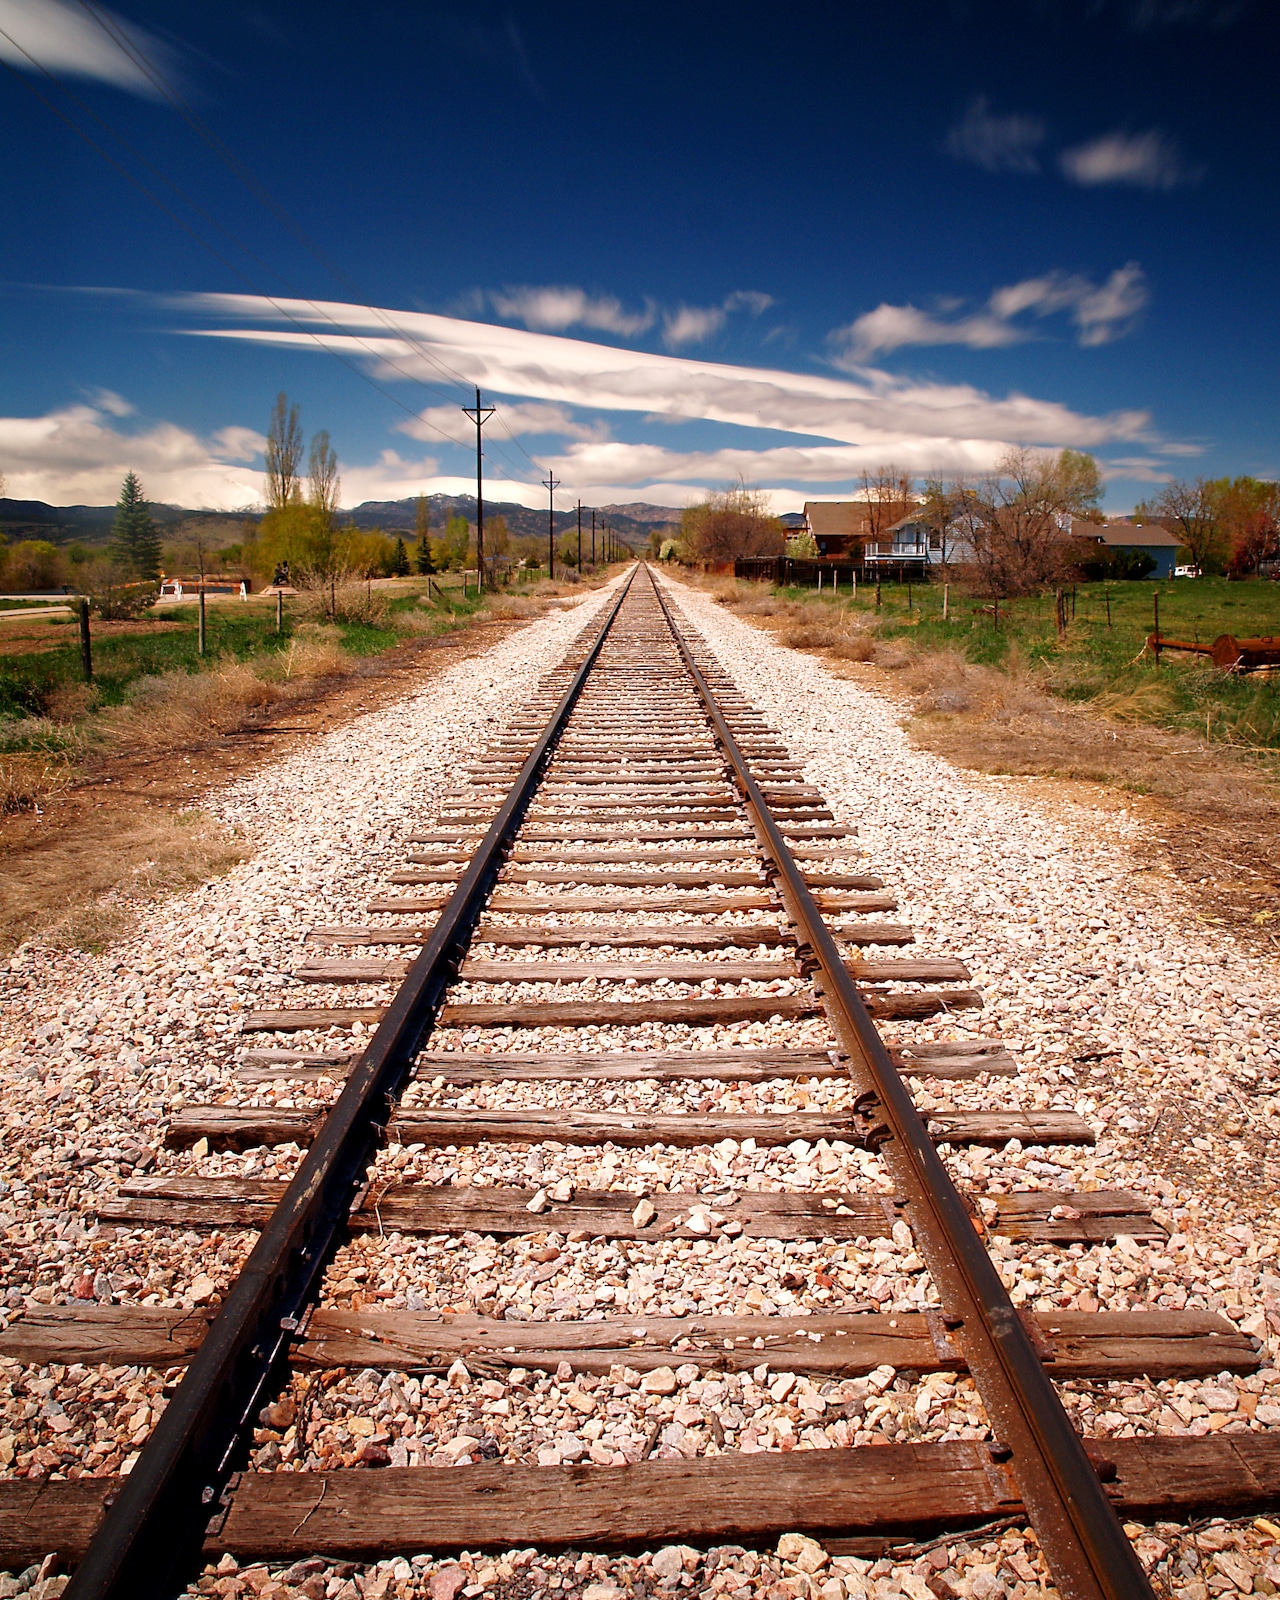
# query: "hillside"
[632,523]
[35,519]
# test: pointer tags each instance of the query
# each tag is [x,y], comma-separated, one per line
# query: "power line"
[218,256]
[139,59]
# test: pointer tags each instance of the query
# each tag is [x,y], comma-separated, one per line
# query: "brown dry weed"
[86,889]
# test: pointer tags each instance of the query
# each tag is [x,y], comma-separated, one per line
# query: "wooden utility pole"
[551,483]
[479,415]
[579,538]
[593,538]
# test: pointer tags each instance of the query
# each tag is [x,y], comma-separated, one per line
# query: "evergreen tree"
[135,539]
[400,567]
[423,552]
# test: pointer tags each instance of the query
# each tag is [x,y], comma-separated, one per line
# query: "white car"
[1186,572]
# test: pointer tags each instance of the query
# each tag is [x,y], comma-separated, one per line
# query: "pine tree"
[423,551]
[135,539]
[400,567]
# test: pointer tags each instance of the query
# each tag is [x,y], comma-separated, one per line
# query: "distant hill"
[632,523]
[34,519]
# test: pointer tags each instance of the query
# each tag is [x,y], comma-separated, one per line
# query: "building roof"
[845,519]
[1140,534]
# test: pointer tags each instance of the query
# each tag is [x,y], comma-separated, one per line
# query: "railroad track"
[633,892]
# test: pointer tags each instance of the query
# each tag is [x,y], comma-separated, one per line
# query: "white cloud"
[751,300]
[555,309]
[1148,160]
[691,325]
[995,143]
[1100,313]
[1105,312]
[695,324]
[109,400]
[870,415]
[65,40]
[74,456]
[552,310]
[533,419]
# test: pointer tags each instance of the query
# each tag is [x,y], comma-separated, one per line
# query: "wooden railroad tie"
[1041,1216]
[855,1501]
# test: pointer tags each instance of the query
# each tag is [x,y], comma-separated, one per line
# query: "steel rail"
[153,1528]
[1081,1537]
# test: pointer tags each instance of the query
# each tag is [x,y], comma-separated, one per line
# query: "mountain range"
[35,519]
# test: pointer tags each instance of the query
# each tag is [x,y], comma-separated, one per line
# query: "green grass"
[1103,662]
[27,681]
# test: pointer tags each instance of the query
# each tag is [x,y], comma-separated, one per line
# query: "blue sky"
[673,244]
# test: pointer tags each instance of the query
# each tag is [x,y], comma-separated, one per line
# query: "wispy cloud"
[688,325]
[1099,313]
[869,416]
[64,39]
[996,143]
[531,418]
[1150,160]
[692,325]
[555,308]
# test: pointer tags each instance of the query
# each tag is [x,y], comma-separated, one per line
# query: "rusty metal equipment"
[1226,652]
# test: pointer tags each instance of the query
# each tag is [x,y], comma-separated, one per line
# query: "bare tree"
[1190,510]
[889,496]
[1018,520]
[283,455]
[731,523]
[325,483]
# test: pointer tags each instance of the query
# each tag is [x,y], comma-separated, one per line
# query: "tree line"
[1011,531]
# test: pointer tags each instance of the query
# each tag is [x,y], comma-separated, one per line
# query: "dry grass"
[84,885]
[315,651]
[350,600]
[179,707]
[514,607]
[1214,811]
[27,779]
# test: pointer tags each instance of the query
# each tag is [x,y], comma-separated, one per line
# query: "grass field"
[1102,660]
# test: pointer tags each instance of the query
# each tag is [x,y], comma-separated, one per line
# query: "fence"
[790,572]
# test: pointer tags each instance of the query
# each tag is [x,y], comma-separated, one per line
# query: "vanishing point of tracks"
[637,832]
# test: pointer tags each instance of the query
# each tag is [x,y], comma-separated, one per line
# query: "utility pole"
[551,483]
[479,415]
[579,538]
[593,538]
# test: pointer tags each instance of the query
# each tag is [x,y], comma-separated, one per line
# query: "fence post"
[200,622]
[1155,601]
[279,611]
[86,649]
[946,595]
